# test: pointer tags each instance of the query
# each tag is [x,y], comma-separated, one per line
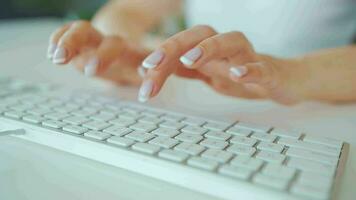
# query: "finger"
[172,48]
[80,35]
[110,49]
[164,61]
[54,38]
[231,45]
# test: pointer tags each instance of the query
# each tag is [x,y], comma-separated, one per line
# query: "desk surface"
[31,171]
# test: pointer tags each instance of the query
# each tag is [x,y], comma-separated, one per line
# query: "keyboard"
[224,159]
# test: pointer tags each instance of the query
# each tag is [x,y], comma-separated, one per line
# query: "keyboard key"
[75,129]
[164,142]
[120,141]
[151,113]
[239,131]
[286,134]
[311,155]
[56,115]
[173,155]
[311,166]
[84,112]
[235,172]
[194,121]
[217,155]
[38,111]
[203,163]
[310,146]
[53,124]
[216,126]
[122,122]
[172,117]
[278,171]
[146,148]
[243,141]
[50,104]
[130,115]
[315,180]
[97,135]
[194,130]
[246,162]
[102,116]
[324,141]
[189,148]
[253,127]
[310,191]
[266,146]
[263,136]
[187,137]
[215,144]
[273,182]
[96,125]
[271,157]
[35,119]
[143,127]
[218,135]
[117,130]
[165,132]
[151,120]
[139,136]
[172,125]
[21,107]
[65,109]
[76,120]
[241,150]
[132,110]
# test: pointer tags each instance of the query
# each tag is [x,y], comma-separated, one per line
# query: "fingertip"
[90,69]
[191,57]
[51,49]
[237,72]
[145,91]
[60,55]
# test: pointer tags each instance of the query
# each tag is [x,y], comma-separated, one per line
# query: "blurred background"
[69,9]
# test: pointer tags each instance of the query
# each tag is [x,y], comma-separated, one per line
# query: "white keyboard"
[223,159]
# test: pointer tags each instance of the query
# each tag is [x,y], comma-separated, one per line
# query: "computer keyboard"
[228,160]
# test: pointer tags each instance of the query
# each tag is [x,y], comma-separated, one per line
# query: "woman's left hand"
[227,62]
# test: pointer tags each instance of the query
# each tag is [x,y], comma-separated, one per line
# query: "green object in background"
[72,9]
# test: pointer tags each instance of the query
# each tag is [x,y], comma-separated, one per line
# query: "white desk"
[31,171]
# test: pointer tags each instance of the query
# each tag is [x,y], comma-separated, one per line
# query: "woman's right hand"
[108,56]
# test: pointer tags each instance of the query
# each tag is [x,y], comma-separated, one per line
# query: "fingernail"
[51,49]
[239,71]
[189,58]
[153,59]
[145,91]
[90,67]
[141,71]
[59,55]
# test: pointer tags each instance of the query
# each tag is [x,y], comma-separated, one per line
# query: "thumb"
[260,73]
[276,79]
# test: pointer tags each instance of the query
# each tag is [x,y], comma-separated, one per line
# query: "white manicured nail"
[51,49]
[189,58]
[141,71]
[90,67]
[239,71]
[153,59]
[145,91]
[59,55]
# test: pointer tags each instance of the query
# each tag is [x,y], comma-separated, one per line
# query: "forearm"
[330,75]
[133,18]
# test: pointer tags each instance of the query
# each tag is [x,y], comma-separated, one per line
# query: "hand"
[227,62]
[111,57]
